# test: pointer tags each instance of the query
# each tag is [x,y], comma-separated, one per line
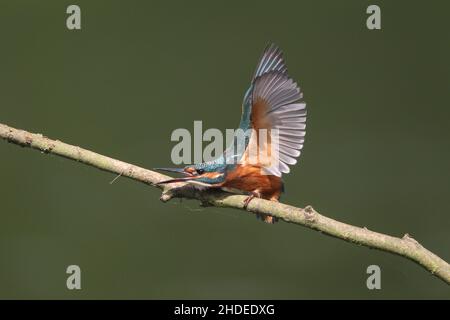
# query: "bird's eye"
[200,171]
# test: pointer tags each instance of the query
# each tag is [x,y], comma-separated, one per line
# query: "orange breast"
[249,178]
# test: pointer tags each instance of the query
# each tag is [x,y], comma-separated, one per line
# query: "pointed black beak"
[176,180]
[177,170]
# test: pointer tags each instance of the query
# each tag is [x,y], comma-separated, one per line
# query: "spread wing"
[270,61]
[273,116]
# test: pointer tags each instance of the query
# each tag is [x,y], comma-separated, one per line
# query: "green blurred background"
[377,151]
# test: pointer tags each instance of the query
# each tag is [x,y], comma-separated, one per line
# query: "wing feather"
[273,102]
[271,60]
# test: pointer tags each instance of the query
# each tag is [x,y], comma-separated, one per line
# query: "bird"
[273,104]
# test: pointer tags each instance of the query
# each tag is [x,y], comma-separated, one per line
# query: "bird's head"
[205,173]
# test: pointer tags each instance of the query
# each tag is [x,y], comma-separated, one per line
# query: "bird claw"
[250,198]
[247,201]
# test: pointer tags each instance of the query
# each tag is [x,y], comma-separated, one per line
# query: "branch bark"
[406,246]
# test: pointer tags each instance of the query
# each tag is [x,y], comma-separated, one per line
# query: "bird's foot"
[247,201]
[250,198]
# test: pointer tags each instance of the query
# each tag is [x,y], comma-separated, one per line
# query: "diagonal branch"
[406,247]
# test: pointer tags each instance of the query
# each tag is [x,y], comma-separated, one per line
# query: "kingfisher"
[273,121]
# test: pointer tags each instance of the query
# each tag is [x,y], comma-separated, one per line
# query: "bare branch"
[406,246]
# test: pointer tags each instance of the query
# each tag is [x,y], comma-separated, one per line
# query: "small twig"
[406,247]
[117,177]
